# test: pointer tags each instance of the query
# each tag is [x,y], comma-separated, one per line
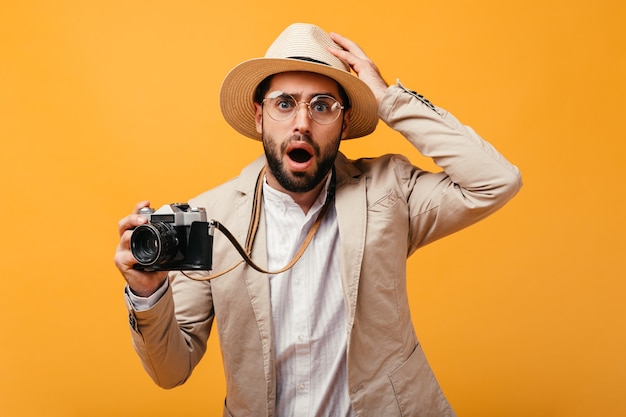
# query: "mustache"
[301,138]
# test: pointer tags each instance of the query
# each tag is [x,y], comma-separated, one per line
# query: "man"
[332,335]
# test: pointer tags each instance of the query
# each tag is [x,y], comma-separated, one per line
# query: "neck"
[304,199]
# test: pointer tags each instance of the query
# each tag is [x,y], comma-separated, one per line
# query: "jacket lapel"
[351,207]
[257,283]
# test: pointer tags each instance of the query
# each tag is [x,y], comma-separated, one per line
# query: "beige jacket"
[386,209]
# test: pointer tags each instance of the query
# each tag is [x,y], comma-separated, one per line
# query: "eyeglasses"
[322,109]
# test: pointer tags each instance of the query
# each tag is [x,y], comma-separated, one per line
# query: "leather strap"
[252,231]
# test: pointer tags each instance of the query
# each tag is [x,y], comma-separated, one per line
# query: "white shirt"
[308,310]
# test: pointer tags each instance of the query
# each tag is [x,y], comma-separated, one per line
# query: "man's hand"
[141,283]
[364,68]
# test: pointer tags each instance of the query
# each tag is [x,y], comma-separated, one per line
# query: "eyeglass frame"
[276,94]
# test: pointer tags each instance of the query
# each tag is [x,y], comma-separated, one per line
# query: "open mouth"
[300,155]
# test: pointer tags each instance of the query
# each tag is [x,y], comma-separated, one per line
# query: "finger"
[348,45]
[357,63]
[124,259]
[125,239]
[130,222]
[345,56]
[140,205]
[133,220]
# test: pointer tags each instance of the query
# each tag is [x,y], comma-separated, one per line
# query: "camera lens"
[154,243]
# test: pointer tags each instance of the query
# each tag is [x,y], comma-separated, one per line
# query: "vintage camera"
[176,237]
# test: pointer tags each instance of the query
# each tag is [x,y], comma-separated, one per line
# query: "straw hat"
[300,47]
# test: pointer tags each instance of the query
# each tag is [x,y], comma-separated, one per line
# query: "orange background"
[104,103]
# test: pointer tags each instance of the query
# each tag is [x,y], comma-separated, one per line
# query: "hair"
[264,86]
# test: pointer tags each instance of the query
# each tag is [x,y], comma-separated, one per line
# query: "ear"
[346,123]
[258,117]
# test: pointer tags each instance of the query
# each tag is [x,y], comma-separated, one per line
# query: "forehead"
[304,83]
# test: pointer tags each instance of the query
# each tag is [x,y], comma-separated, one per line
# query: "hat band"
[305,58]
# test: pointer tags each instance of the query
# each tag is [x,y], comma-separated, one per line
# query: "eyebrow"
[298,96]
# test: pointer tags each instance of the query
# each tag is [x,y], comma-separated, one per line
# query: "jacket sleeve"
[476,179]
[171,339]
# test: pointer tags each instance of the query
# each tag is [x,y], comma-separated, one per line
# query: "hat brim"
[239,86]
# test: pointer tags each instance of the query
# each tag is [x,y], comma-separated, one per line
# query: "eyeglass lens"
[323,109]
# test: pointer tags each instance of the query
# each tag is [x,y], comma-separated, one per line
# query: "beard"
[299,182]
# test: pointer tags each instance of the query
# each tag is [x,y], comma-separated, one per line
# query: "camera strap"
[253,227]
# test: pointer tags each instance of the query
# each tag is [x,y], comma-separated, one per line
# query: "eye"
[284,104]
[280,102]
[322,104]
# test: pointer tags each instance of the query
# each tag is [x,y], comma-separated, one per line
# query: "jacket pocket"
[416,389]
[384,203]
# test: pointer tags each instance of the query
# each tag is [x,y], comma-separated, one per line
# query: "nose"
[302,118]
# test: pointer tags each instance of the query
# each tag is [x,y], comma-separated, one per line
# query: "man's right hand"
[141,283]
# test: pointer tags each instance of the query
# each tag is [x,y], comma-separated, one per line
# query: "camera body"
[176,237]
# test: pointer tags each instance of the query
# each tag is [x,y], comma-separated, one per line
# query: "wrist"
[142,303]
[146,288]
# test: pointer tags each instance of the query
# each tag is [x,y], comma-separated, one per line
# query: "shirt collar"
[275,196]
